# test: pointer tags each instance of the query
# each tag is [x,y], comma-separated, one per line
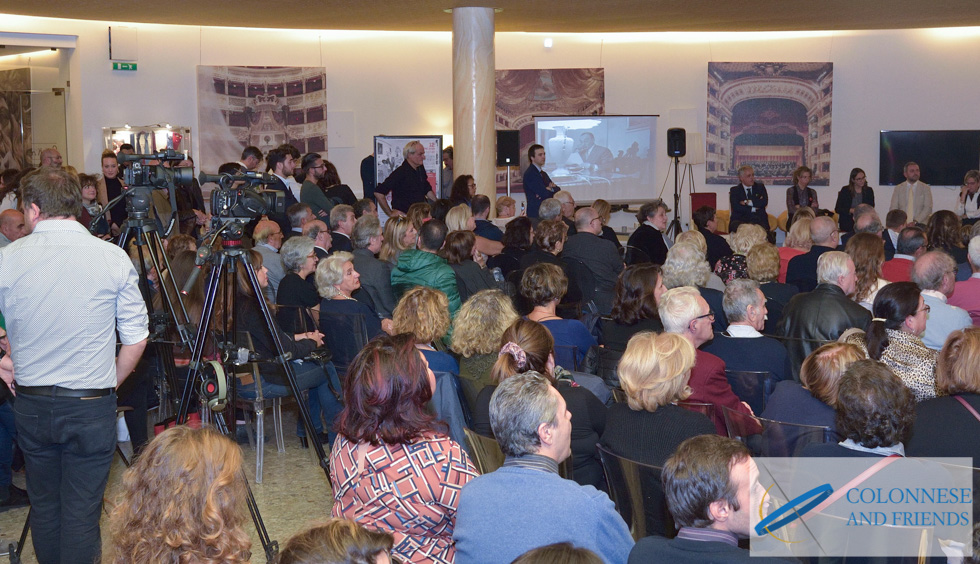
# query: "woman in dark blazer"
[649,236]
[856,192]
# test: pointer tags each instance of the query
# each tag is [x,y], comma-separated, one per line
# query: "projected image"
[609,157]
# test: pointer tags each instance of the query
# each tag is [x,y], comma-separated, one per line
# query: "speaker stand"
[508,181]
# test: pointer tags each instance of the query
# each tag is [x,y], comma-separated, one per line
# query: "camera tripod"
[674,228]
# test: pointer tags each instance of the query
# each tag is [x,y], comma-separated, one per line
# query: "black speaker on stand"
[676,148]
[508,151]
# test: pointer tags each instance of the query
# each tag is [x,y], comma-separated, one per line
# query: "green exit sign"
[124,66]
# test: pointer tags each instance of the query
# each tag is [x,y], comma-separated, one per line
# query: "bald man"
[51,158]
[11,227]
[802,270]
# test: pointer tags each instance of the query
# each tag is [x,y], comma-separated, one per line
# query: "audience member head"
[745,304]
[298,256]
[460,218]
[943,231]
[459,247]
[655,212]
[268,232]
[837,268]
[447,156]
[956,369]
[335,275]
[935,270]
[440,208]
[365,206]
[182,264]
[762,262]
[424,312]
[693,238]
[529,416]
[684,311]
[823,368]
[312,165]
[331,177]
[388,388]
[251,157]
[799,234]
[432,235]
[88,183]
[544,283]
[280,161]
[867,252]
[418,213]
[823,232]
[866,220]
[874,407]
[338,541]
[655,369]
[261,272]
[685,266]
[463,190]
[480,206]
[857,179]
[49,193]
[12,224]
[550,208]
[481,321]
[550,235]
[896,220]
[519,233]
[805,212]
[342,219]
[638,290]
[747,236]
[704,218]
[178,243]
[299,214]
[563,552]
[708,483]
[899,307]
[604,210]
[399,235]
[525,345]
[51,158]
[567,204]
[182,500]
[318,232]
[367,234]
[973,253]
[506,207]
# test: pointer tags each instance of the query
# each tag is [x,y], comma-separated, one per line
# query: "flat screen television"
[608,157]
[943,156]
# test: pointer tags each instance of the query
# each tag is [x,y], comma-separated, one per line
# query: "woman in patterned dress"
[393,468]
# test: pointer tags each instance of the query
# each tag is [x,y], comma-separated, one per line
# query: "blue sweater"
[504,514]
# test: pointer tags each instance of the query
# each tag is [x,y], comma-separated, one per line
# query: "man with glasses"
[568,211]
[597,254]
[802,270]
[268,240]
[310,193]
[935,274]
[683,311]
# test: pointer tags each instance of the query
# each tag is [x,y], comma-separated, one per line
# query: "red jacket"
[710,385]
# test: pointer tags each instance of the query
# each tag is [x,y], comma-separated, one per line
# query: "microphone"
[202,257]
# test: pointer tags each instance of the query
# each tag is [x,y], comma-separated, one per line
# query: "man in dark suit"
[709,479]
[748,200]
[484,227]
[802,270]
[299,215]
[537,184]
[342,222]
[322,241]
[598,255]
[375,279]
[704,219]
[895,221]
[596,160]
[280,163]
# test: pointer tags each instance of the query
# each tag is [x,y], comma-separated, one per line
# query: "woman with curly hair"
[463,190]
[867,250]
[762,262]
[338,541]
[424,312]
[385,431]
[634,309]
[476,335]
[733,266]
[399,235]
[183,500]
[944,233]
[687,266]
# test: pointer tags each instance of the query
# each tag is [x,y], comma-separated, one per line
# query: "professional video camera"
[148,170]
[236,197]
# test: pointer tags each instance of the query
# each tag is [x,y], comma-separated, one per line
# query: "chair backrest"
[345,335]
[754,388]
[505,262]
[295,319]
[583,276]
[566,356]
[766,437]
[244,372]
[485,451]
[521,304]
[607,365]
[708,409]
[633,255]
[637,491]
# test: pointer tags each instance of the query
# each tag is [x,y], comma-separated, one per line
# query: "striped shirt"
[64,294]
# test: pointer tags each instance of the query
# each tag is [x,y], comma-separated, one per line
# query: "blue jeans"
[309,376]
[68,445]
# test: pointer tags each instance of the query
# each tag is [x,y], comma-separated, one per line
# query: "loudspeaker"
[508,147]
[676,142]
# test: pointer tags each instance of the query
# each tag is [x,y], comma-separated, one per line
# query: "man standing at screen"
[913,197]
[538,186]
[748,200]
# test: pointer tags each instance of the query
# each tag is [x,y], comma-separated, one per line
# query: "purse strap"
[968,407]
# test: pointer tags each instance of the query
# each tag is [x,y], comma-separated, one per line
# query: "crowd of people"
[442,320]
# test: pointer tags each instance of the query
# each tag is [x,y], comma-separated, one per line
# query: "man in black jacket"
[802,270]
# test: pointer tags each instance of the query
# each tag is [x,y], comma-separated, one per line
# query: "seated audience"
[400,235]
[384,429]
[697,239]
[684,311]
[943,233]
[424,267]
[481,213]
[342,223]
[551,208]
[733,266]
[375,274]
[460,218]
[424,313]
[525,504]
[814,318]
[966,294]
[813,402]
[650,236]
[567,210]
[365,206]
[717,246]
[338,541]
[686,266]
[544,284]
[310,193]
[439,209]
[419,212]
[518,237]
[866,220]
[179,243]
[296,294]
[604,210]
[527,346]
[318,232]
[935,274]
[654,373]
[856,192]
[762,262]
[182,500]
[911,244]
[797,243]
[709,483]
[476,339]
[468,263]
[944,426]
[802,270]
[463,190]
[895,221]
[332,186]
[868,255]
[299,215]
[597,254]
[268,238]
[549,241]
[506,207]
[742,347]
[635,306]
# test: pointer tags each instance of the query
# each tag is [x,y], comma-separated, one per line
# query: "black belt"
[59,392]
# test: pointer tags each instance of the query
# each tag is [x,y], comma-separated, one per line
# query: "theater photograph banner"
[260,106]
[525,93]
[772,116]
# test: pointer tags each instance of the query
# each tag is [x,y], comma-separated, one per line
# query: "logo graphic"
[792,510]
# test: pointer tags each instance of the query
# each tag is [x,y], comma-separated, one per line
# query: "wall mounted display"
[523,94]
[260,106]
[16,147]
[773,116]
[388,156]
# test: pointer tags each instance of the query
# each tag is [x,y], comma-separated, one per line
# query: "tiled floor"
[294,492]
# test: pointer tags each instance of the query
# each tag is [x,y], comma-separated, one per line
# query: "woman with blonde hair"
[424,312]
[604,210]
[733,266]
[460,218]
[797,242]
[399,235]
[867,250]
[183,500]
[762,262]
[338,541]
[812,400]
[476,336]
[526,346]
[418,213]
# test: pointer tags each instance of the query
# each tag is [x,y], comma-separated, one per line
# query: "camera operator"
[64,294]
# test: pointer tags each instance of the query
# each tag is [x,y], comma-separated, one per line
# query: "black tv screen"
[943,156]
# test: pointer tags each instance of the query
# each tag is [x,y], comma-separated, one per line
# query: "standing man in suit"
[595,159]
[913,197]
[281,164]
[537,184]
[251,158]
[748,200]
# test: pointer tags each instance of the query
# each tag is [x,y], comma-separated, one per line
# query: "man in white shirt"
[913,197]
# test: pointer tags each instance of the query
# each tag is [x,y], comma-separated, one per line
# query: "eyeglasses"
[710,315]
[925,308]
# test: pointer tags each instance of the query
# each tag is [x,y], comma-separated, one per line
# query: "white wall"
[400,83]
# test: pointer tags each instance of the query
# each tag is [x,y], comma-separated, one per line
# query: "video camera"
[148,170]
[237,198]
